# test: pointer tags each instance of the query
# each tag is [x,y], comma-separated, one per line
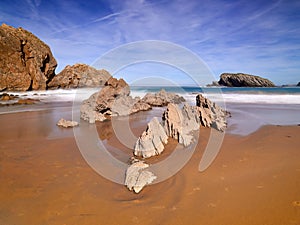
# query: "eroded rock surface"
[180,123]
[210,114]
[26,63]
[162,98]
[152,140]
[137,176]
[113,100]
[79,75]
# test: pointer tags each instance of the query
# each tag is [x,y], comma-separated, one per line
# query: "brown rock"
[26,63]
[27,101]
[7,97]
[79,75]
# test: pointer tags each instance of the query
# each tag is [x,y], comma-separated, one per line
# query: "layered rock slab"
[137,176]
[152,140]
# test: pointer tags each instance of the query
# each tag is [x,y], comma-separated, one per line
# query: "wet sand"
[255,179]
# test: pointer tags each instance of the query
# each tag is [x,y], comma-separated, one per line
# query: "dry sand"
[44,179]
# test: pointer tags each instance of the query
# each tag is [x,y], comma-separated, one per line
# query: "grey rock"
[112,100]
[88,110]
[210,114]
[244,80]
[152,141]
[179,123]
[137,176]
[162,98]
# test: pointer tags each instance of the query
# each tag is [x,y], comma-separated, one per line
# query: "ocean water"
[250,108]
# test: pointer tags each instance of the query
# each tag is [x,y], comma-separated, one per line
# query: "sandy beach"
[255,179]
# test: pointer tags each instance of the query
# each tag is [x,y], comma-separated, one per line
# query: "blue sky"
[256,37]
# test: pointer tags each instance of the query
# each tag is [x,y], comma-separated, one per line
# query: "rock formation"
[152,141]
[88,110]
[243,80]
[180,124]
[79,75]
[113,100]
[66,123]
[26,63]
[298,85]
[137,176]
[162,98]
[210,114]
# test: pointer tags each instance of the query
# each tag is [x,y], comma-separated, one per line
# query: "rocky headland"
[243,80]
[26,63]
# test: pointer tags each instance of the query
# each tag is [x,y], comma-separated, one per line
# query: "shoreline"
[45,180]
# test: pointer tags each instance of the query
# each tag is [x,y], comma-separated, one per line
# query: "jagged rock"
[66,123]
[244,80]
[88,110]
[162,98]
[113,100]
[210,114]
[152,141]
[298,84]
[26,63]
[79,75]
[137,176]
[179,123]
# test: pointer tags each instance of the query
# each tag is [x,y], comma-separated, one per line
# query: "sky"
[260,37]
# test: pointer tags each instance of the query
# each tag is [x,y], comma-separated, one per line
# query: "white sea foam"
[249,110]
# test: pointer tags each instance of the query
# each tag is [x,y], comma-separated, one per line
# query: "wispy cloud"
[260,37]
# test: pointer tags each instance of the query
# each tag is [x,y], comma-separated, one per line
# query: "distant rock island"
[79,75]
[243,80]
[26,63]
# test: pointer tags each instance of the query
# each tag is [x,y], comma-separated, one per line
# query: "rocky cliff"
[26,63]
[243,80]
[79,75]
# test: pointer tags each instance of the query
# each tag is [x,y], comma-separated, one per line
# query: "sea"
[250,107]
